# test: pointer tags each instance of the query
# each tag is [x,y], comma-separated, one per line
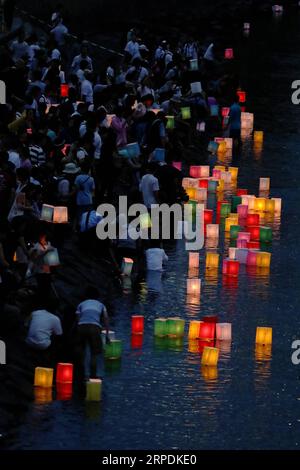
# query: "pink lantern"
[242,211]
[241,244]
[244,236]
[229,53]
[177,165]
[216,174]
[195,171]
[251,258]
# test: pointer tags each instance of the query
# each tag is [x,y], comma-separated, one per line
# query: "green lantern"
[170,122]
[160,327]
[113,350]
[266,234]
[235,201]
[175,327]
[225,209]
[186,113]
[93,390]
[160,343]
[234,231]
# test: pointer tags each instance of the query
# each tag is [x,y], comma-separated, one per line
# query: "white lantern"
[127,265]
[212,231]
[278,203]
[201,194]
[196,87]
[226,177]
[193,260]
[241,255]
[52,258]
[232,253]
[47,213]
[223,331]
[264,184]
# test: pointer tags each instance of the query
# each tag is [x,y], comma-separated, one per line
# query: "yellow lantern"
[212,260]
[43,377]
[212,231]
[60,215]
[260,204]
[258,137]
[191,192]
[42,395]
[194,329]
[264,184]
[270,206]
[263,259]
[222,147]
[264,335]
[93,390]
[234,171]
[229,222]
[210,356]
[209,373]
[263,352]
[193,287]
[193,260]
[220,168]
[221,185]
[278,203]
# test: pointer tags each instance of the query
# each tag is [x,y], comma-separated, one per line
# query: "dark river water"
[158,397]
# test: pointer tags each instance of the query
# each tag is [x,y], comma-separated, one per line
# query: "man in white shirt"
[59,33]
[79,58]
[149,187]
[156,257]
[14,158]
[19,48]
[43,326]
[133,48]
[87,91]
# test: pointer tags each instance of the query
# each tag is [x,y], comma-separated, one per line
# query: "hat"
[71,169]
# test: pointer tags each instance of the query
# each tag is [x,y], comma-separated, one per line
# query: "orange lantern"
[60,215]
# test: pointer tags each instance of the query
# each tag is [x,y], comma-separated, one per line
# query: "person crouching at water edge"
[91,313]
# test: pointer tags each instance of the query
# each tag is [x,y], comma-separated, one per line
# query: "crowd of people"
[64,131]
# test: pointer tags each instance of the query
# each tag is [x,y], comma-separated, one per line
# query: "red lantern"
[254,233]
[64,391]
[232,268]
[64,373]
[137,324]
[208,216]
[253,245]
[228,54]
[203,183]
[252,219]
[225,112]
[243,109]
[64,91]
[137,341]
[242,192]
[210,319]
[195,172]
[242,96]
[207,330]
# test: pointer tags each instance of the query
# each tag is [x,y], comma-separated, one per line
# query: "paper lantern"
[254,233]
[247,120]
[113,350]
[222,147]
[137,341]
[244,236]
[234,231]
[190,183]
[242,96]
[52,258]
[93,390]
[248,200]
[229,222]
[242,211]
[170,122]
[270,206]
[252,220]
[177,165]
[212,261]
[127,265]
[264,335]
[277,204]
[241,244]
[186,113]
[226,177]
[203,183]
[201,194]
[263,259]
[228,54]
[43,377]
[207,330]
[242,192]
[212,231]
[223,331]
[266,234]
[145,221]
[47,213]
[64,391]
[160,327]
[208,216]
[42,395]
[175,327]
[137,324]
[194,329]
[64,90]
[193,260]
[242,255]
[264,184]
[204,171]
[252,258]
[231,254]
[60,215]
[216,174]
[225,112]
[232,268]
[260,204]
[64,373]
[196,87]
[225,263]
[193,287]
[253,245]
[194,65]
[210,356]
[234,171]
[246,26]
[225,209]
[191,192]
[195,171]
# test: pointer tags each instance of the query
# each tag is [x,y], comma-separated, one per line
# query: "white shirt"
[87,91]
[59,33]
[148,186]
[155,258]
[42,326]
[133,48]
[76,62]
[14,158]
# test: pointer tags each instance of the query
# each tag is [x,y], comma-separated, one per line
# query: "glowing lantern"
[277,204]
[47,213]
[264,335]
[216,174]
[234,171]
[137,324]
[212,231]
[93,390]
[113,350]
[190,183]
[196,87]
[260,204]
[254,233]
[231,254]
[222,147]
[242,96]
[191,192]
[64,91]
[175,343]
[170,122]
[242,211]
[212,261]
[193,287]
[229,222]
[209,373]
[208,216]
[210,356]
[266,234]
[194,65]
[177,165]
[252,220]
[241,243]
[186,113]
[263,259]
[244,236]
[194,329]
[242,192]
[64,391]
[195,171]
[201,194]
[225,209]
[127,266]
[223,331]
[248,200]
[242,255]
[228,54]
[204,171]
[231,268]
[145,221]
[43,377]
[270,205]
[220,187]
[160,327]
[207,330]
[175,327]
[258,137]
[60,215]
[193,260]
[203,183]
[226,177]
[263,352]
[252,258]
[253,245]
[264,184]
[225,112]
[52,258]
[64,373]
[234,231]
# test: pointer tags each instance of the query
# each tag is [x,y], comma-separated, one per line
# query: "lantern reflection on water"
[209,373]
[194,260]
[193,287]
[64,391]
[160,327]
[42,395]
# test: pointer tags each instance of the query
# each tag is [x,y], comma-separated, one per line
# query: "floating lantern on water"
[221,185]
[194,329]
[247,121]
[242,192]
[254,233]
[212,231]
[203,183]
[270,206]
[263,259]
[137,324]
[193,346]
[244,236]
[266,234]
[194,260]
[201,194]
[234,231]
[60,215]
[212,261]
[229,222]
[264,184]
[228,54]
[207,330]
[186,113]
[252,220]
[64,373]
[226,177]
[208,216]
[252,258]
[64,90]
[278,204]
[43,377]
[231,267]
[195,171]
[191,192]
[241,244]
[242,255]
[216,174]
[47,213]
[52,258]
[231,254]
[223,331]
[225,209]
[242,210]
[127,266]
[113,350]
[175,327]
[260,204]
[210,356]
[196,87]
[258,137]
[234,171]
[194,65]
[264,335]
[93,390]
[160,327]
